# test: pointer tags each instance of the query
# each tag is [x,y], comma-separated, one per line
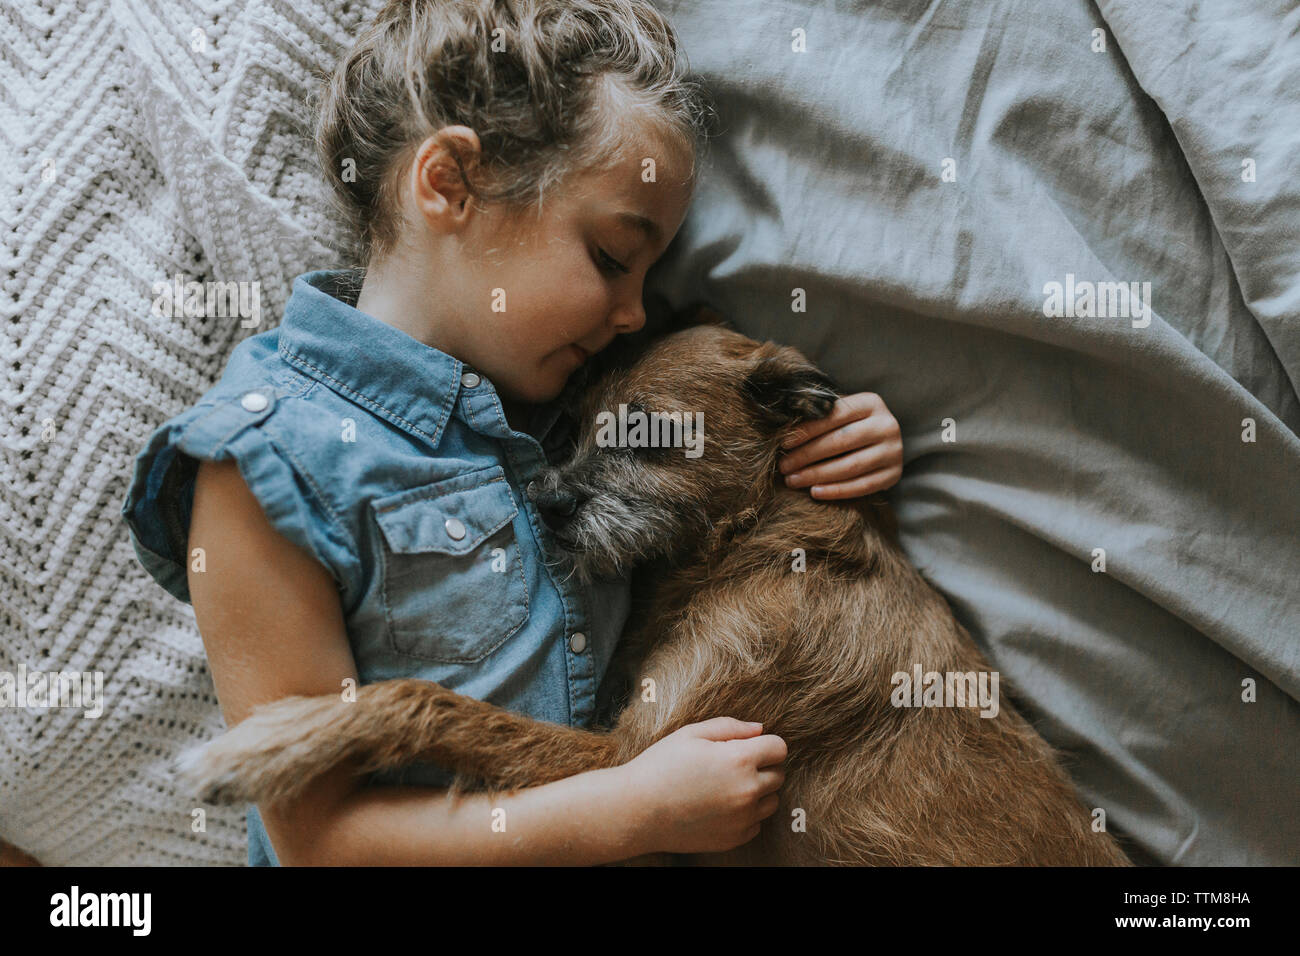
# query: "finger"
[854,435]
[770,780]
[726,728]
[847,408]
[866,485]
[765,751]
[766,807]
[847,467]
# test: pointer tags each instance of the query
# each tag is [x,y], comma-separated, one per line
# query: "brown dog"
[768,606]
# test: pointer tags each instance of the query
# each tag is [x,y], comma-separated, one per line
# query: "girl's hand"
[859,446]
[706,787]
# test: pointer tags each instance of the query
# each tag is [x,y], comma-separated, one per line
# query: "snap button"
[469,380]
[578,643]
[253,401]
[455,530]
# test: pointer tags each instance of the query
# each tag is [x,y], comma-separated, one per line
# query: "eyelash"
[610,264]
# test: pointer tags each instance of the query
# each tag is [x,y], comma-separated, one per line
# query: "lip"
[582,353]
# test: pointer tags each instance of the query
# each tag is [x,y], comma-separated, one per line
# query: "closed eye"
[654,426]
[609,263]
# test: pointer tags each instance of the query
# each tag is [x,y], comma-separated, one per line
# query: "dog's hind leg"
[281,747]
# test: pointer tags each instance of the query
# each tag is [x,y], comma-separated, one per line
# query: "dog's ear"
[786,387]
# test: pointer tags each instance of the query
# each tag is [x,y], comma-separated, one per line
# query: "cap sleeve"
[159,503]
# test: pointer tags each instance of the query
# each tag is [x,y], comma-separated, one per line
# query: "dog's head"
[674,443]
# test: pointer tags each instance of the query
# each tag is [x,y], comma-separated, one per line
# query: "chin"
[545,383]
[545,387]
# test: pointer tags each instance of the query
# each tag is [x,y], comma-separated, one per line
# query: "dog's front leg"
[281,747]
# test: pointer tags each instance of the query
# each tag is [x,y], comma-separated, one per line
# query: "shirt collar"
[379,367]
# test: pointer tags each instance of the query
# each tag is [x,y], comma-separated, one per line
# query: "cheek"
[575,289]
[548,305]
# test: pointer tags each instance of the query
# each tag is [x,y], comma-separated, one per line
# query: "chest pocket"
[454,588]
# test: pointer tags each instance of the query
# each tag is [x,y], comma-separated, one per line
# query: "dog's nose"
[557,506]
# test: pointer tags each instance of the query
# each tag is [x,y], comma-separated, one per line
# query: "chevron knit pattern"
[139,140]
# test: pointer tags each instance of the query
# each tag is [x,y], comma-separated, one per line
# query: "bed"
[1103,485]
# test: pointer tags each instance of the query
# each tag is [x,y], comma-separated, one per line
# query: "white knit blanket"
[139,139]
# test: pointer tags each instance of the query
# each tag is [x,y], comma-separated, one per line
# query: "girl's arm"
[272,626]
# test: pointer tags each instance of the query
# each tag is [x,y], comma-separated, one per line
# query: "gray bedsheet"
[1170,157]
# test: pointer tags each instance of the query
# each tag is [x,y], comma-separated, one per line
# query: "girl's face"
[537,297]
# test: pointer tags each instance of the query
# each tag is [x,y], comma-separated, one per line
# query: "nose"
[557,506]
[630,317]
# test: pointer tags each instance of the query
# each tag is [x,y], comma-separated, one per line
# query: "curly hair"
[551,88]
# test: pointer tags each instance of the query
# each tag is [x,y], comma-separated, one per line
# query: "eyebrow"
[641,223]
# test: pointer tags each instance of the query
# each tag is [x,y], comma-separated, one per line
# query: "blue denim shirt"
[393,464]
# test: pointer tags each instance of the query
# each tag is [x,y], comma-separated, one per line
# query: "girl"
[347,504]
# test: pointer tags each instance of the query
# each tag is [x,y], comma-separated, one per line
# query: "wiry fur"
[731,630]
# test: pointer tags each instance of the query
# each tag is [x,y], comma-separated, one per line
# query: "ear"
[788,388]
